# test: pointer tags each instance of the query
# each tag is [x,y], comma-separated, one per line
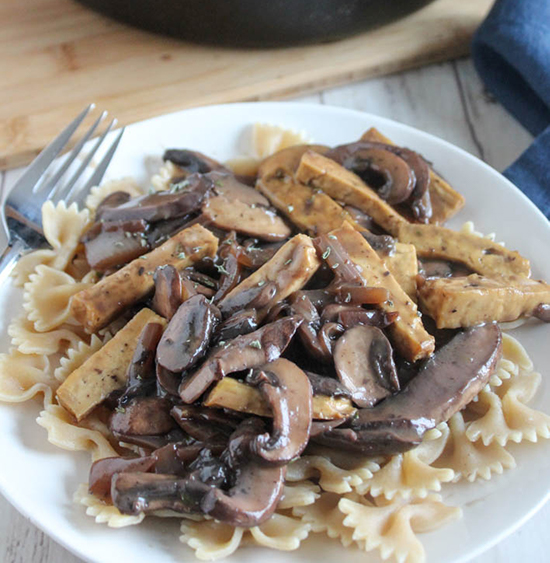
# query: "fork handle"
[9,258]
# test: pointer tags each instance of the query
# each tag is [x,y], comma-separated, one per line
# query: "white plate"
[40,479]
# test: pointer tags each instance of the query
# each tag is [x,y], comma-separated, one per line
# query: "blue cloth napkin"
[511,52]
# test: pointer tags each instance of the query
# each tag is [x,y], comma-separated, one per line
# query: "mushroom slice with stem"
[102,471]
[288,391]
[187,336]
[379,167]
[445,384]
[244,352]
[364,364]
[256,489]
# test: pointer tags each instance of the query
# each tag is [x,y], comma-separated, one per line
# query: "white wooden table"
[447,100]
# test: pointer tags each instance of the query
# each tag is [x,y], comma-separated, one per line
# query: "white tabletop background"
[447,100]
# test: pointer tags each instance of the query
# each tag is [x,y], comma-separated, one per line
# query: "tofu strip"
[106,370]
[289,270]
[408,334]
[481,255]
[342,185]
[469,301]
[96,307]
[232,394]
[446,201]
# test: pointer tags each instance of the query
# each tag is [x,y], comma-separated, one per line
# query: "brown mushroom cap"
[244,352]
[192,162]
[187,336]
[288,391]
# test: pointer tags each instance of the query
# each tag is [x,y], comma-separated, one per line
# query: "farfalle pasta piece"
[22,376]
[325,516]
[281,532]
[47,297]
[410,475]
[265,140]
[66,435]
[63,226]
[470,460]
[76,356]
[211,540]
[162,179]
[104,513]
[99,193]
[26,265]
[331,477]
[28,341]
[303,493]
[392,528]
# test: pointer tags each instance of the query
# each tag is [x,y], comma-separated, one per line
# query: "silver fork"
[22,209]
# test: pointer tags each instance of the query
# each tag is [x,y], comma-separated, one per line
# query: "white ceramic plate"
[40,479]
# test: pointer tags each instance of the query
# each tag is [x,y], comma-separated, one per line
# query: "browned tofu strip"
[289,270]
[403,266]
[481,255]
[465,302]
[96,307]
[446,201]
[232,394]
[409,336]
[106,370]
[320,172]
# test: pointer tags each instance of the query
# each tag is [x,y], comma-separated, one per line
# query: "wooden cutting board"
[56,57]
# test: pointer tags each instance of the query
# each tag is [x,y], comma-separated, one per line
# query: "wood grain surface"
[56,57]
[447,100]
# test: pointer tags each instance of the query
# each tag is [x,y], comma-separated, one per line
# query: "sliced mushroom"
[244,352]
[238,324]
[187,336]
[141,371]
[359,294]
[143,416]
[328,335]
[445,384]
[252,256]
[301,306]
[328,386]
[364,364]
[112,200]
[230,269]
[542,312]
[204,424]
[176,458]
[243,209]
[136,493]
[289,270]
[378,167]
[149,443]
[168,291]
[288,391]
[162,206]
[115,243]
[256,490]
[102,471]
[351,315]
[192,162]
[319,427]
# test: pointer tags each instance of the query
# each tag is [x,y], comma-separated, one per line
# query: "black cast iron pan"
[256,23]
